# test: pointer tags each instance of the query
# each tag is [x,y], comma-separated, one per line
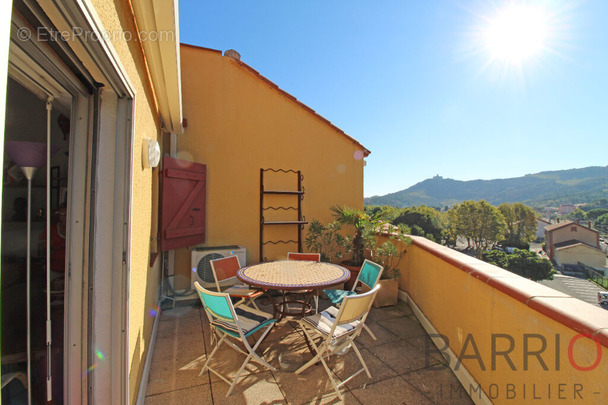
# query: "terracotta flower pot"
[354,273]
[388,294]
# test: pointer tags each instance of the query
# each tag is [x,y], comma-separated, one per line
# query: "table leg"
[274,304]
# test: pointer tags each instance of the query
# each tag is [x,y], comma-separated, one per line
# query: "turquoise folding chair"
[337,330]
[236,323]
[369,275]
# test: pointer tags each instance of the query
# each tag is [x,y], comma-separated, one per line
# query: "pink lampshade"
[28,154]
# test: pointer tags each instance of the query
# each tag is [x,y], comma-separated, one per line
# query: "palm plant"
[365,225]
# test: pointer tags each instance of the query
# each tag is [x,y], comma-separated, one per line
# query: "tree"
[423,218]
[480,222]
[450,231]
[523,262]
[520,223]
[601,223]
[596,213]
[577,215]
[496,257]
[386,212]
[529,265]
[462,221]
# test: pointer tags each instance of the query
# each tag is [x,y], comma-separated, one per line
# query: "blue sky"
[417,83]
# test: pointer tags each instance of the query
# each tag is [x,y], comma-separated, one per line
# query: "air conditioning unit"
[201,268]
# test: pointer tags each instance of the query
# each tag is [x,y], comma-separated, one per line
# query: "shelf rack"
[299,223]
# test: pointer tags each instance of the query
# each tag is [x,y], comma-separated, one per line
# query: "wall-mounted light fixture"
[150,153]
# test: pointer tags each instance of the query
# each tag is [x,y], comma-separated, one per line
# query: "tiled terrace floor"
[402,371]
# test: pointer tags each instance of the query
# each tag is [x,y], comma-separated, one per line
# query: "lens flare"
[99,354]
[154,311]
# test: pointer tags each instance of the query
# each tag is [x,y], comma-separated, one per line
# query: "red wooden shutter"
[182,203]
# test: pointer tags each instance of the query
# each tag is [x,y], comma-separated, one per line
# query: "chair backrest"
[355,307]
[312,257]
[369,274]
[225,268]
[217,305]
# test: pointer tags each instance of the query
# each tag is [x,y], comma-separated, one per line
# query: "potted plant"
[364,238]
[389,255]
[326,240]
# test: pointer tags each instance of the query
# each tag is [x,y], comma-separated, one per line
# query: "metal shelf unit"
[300,222]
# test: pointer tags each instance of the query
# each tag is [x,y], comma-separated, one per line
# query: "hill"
[549,188]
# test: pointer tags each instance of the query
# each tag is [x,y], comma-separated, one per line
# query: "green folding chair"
[238,324]
[337,329]
[369,275]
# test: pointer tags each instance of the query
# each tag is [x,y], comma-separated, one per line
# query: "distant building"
[541,224]
[565,209]
[570,243]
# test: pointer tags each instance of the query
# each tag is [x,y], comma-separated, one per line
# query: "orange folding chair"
[311,257]
[225,269]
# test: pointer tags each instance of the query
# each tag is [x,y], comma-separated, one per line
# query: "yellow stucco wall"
[581,253]
[468,313]
[238,123]
[116,17]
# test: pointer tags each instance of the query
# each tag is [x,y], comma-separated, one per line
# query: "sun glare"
[517,33]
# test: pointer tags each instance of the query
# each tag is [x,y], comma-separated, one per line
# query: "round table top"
[293,274]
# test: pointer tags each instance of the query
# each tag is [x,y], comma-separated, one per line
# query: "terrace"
[509,339]
[397,360]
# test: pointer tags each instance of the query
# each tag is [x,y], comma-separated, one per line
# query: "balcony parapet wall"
[518,339]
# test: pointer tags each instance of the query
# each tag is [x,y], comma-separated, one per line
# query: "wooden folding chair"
[337,329]
[225,269]
[369,275]
[228,322]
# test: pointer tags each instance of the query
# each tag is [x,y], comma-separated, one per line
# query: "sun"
[516,34]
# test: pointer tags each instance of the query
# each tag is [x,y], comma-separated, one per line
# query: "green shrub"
[525,263]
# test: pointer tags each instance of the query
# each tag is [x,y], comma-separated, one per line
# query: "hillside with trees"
[485,229]
[550,188]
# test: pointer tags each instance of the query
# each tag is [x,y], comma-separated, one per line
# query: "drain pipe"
[173,145]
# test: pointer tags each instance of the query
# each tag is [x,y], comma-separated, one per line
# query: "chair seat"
[337,296]
[338,329]
[323,322]
[243,292]
[249,319]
